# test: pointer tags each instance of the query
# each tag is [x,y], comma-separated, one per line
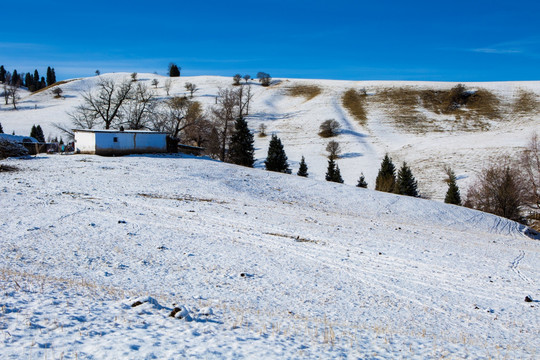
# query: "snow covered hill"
[400,121]
[258,264]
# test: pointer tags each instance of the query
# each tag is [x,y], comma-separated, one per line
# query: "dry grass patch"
[470,110]
[526,103]
[354,101]
[53,85]
[306,91]
[403,105]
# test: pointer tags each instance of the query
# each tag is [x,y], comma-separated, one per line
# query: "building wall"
[129,143]
[85,142]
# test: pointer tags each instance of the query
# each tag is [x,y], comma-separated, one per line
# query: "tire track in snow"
[514,266]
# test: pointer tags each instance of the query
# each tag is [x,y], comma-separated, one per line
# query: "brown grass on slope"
[306,91]
[354,101]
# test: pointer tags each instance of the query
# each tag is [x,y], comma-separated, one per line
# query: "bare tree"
[244,96]
[246,78]
[530,163]
[177,114]
[236,79]
[224,114]
[155,82]
[13,93]
[105,104]
[191,88]
[167,86]
[499,189]
[139,107]
[200,130]
[6,88]
[334,150]
[134,76]
[66,130]
[82,118]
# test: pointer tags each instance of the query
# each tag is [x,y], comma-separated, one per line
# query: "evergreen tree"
[36,80]
[362,182]
[406,183]
[1,129]
[452,195]
[241,150]
[37,133]
[29,81]
[33,132]
[333,174]
[40,136]
[303,170]
[15,78]
[174,70]
[43,83]
[2,73]
[51,78]
[276,160]
[386,178]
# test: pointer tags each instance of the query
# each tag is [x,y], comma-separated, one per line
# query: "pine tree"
[50,76]
[241,150]
[452,195]
[2,73]
[333,174]
[43,83]
[37,133]
[33,132]
[386,178]
[1,129]
[29,81]
[276,160]
[303,170]
[36,80]
[406,183]
[15,78]
[362,182]
[174,70]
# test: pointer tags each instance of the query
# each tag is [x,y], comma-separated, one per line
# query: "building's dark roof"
[118,131]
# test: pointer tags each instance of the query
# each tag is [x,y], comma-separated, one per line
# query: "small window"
[115,139]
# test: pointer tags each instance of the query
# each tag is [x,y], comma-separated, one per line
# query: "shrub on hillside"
[500,190]
[329,128]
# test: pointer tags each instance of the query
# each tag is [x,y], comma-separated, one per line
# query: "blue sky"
[333,39]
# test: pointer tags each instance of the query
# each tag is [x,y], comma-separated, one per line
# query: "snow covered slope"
[426,139]
[260,265]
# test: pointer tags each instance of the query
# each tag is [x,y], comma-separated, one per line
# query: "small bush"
[329,128]
[353,101]
[306,91]
[11,149]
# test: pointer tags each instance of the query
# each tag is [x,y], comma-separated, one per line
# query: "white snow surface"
[296,121]
[259,264]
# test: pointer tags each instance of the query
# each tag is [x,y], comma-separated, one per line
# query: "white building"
[116,142]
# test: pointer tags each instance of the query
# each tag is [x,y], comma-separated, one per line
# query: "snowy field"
[259,264]
[296,121]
